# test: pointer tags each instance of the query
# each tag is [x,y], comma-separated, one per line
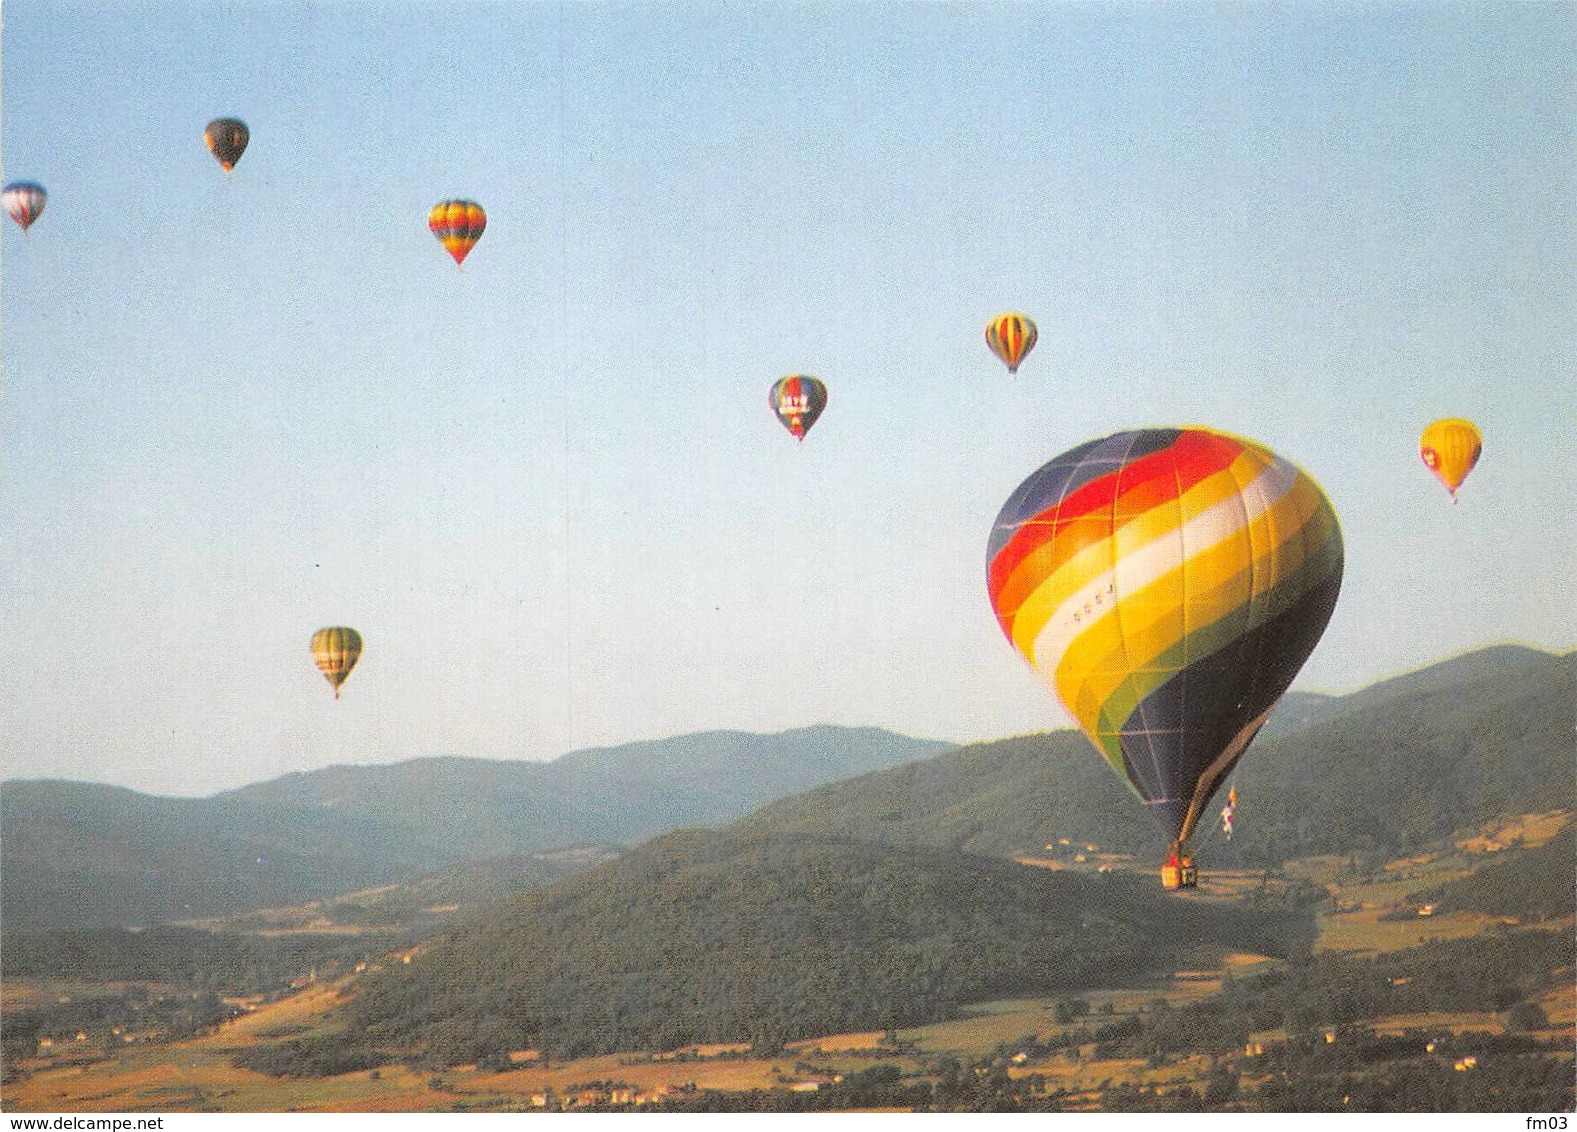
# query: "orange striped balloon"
[1011,337]
[458,224]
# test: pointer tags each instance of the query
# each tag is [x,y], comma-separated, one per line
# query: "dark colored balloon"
[227,138]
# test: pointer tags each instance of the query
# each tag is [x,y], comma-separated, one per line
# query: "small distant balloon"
[458,224]
[1011,337]
[797,401]
[227,138]
[335,651]
[1450,448]
[24,201]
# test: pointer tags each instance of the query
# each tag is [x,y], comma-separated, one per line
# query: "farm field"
[197,1075]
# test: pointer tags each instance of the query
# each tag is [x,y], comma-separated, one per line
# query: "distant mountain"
[1378,772]
[615,795]
[1384,770]
[883,901]
[719,937]
[1494,662]
[80,855]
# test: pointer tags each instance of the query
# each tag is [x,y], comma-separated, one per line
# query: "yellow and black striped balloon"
[335,651]
[1011,337]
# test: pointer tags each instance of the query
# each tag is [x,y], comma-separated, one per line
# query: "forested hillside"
[1403,769]
[1003,798]
[720,937]
[1532,884]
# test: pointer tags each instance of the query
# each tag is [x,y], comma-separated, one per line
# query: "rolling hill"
[82,855]
[728,937]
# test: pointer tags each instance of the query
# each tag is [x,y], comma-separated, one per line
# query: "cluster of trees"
[324,1055]
[954,1089]
[226,962]
[1533,1082]
[1315,995]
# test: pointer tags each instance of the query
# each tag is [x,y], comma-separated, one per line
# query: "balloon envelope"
[1167,584]
[24,201]
[458,224]
[1450,448]
[335,651]
[1011,337]
[227,138]
[797,401]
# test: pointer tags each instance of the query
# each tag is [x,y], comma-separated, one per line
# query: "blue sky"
[547,488]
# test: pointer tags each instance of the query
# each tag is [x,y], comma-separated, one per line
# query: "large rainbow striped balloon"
[1168,584]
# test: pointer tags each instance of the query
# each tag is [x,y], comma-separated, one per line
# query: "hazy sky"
[547,488]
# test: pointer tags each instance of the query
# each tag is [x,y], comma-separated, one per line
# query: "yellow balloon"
[1450,448]
[335,651]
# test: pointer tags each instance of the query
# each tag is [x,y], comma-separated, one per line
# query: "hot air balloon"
[1011,338]
[335,651]
[227,138]
[24,201]
[458,224]
[798,401]
[1450,448]
[1167,584]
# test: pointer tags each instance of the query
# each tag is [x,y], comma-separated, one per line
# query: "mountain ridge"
[89,855]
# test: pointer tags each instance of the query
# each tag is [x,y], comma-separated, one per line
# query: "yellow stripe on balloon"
[1137,541]
[1211,585]
[1203,641]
